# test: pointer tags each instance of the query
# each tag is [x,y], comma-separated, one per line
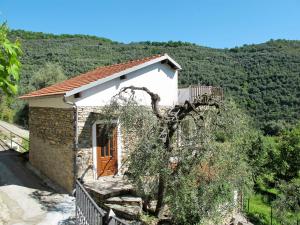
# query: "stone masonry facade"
[52,144]
[87,116]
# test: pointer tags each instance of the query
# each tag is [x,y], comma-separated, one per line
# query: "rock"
[165,214]
[107,187]
[150,206]
[125,200]
[126,212]
[239,219]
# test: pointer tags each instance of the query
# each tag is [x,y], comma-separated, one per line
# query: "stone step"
[129,212]
[125,200]
[108,187]
[102,195]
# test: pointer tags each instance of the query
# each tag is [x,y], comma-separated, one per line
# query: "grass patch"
[259,211]
[25,144]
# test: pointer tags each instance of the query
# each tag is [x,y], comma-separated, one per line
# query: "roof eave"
[177,66]
[24,97]
[124,72]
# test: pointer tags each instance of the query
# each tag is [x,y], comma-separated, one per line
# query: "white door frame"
[119,145]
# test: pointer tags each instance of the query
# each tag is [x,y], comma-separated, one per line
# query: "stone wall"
[52,144]
[87,116]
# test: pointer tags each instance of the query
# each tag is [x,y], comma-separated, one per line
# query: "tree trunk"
[171,122]
[160,195]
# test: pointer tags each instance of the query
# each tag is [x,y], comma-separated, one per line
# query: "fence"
[195,91]
[24,142]
[115,221]
[268,215]
[89,213]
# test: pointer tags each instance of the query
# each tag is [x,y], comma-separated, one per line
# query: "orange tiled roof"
[86,78]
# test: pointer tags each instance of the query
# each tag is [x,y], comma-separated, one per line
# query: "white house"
[66,134]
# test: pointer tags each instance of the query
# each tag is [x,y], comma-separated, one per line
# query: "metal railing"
[89,213]
[115,221]
[3,145]
[11,137]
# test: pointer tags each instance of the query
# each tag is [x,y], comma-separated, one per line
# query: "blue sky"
[213,23]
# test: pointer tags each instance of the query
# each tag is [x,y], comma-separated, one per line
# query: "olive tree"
[47,75]
[287,203]
[192,157]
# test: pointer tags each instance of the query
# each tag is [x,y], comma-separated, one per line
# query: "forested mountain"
[264,79]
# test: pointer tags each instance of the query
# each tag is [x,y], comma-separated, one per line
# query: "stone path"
[25,200]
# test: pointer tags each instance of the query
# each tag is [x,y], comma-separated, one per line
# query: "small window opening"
[77,95]
[123,77]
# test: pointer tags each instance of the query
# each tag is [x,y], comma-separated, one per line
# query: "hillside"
[263,78]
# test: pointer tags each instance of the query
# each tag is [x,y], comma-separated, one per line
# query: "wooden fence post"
[248,204]
[271,215]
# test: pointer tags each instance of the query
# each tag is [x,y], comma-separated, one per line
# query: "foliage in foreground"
[15,110]
[206,164]
[9,62]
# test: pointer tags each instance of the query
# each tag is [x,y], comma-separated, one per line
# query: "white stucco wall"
[158,78]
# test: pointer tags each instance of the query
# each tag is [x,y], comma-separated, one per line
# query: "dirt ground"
[26,200]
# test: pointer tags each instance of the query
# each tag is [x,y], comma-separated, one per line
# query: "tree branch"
[169,125]
[154,98]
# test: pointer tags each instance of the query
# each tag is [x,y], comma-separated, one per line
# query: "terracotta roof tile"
[86,78]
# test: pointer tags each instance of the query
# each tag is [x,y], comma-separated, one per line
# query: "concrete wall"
[52,144]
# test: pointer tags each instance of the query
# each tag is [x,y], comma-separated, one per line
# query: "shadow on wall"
[84,157]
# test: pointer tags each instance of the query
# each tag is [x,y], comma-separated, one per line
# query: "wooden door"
[107,154]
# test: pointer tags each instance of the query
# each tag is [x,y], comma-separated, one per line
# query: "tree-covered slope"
[263,78]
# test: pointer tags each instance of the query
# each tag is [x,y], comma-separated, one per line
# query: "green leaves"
[287,205]
[9,62]
[48,74]
[200,173]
